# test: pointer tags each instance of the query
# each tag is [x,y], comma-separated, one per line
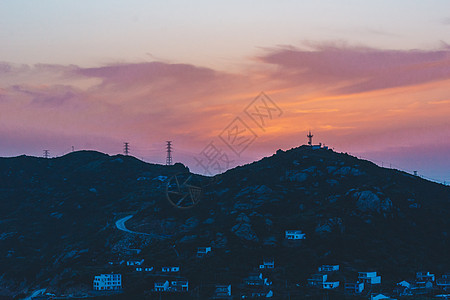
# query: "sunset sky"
[371,78]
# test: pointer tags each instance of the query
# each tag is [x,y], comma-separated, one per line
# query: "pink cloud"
[358,69]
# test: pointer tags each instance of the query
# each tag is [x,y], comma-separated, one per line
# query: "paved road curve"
[120,224]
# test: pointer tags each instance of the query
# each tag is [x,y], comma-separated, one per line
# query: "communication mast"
[309,136]
[169,153]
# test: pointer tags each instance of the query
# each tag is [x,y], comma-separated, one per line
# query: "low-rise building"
[135,262]
[369,278]
[444,282]
[256,280]
[405,284]
[179,286]
[295,235]
[422,276]
[175,286]
[107,282]
[421,287]
[222,292]
[354,287]
[317,280]
[116,262]
[173,269]
[267,264]
[203,251]
[328,285]
[162,286]
[380,297]
[329,268]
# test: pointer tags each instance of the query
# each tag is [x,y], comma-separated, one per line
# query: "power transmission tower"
[46,153]
[169,153]
[126,148]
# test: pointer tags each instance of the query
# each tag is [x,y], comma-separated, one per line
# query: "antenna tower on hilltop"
[309,136]
[169,153]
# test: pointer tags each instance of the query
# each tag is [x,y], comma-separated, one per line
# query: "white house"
[422,276]
[162,286]
[170,269]
[329,268]
[257,280]
[179,286]
[144,269]
[379,297]
[317,280]
[173,286]
[295,235]
[135,262]
[202,251]
[444,282]
[420,287]
[261,294]
[328,285]
[222,292]
[369,278]
[267,264]
[107,282]
[405,284]
[354,288]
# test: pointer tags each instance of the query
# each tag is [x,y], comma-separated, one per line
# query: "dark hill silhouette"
[57,220]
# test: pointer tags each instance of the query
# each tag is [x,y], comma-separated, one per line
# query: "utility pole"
[169,153]
[46,153]
[126,148]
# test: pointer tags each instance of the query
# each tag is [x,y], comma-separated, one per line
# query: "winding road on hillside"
[120,224]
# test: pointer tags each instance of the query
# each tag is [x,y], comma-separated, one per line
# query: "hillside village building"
[329,268]
[222,292]
[256,280]
[170,269]
[328,285]
[202,251]
[162,286]
[444,282]
[405,284]
[320,281]
[369,278]
[144,269]
[422,276]
[135,262]
[175,286]
[354,288]
[380,297]
[267,264]
[294,235]
[317,280]
[108,282]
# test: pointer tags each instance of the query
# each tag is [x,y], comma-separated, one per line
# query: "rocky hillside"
[58,220]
